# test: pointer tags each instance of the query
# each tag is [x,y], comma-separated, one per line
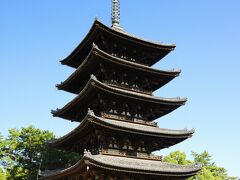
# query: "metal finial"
[116,15]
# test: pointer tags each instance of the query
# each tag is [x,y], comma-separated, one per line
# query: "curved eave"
[121,126]
[127,165]
[98,55]
[146,167]
[94,84]
[97,25]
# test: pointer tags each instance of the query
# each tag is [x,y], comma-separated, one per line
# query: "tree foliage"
[210,170]
[2,154]
[210,167]
[2,175]
[24,151]
[177,157]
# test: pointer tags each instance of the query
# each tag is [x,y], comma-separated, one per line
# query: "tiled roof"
[140,164]
[94,31]
[96,55]
[128,165]
[145,128]
[93,82]
[124,126]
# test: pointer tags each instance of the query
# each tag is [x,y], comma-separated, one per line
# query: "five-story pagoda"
[114,104]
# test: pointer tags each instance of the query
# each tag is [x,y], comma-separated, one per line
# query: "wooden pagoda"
[114,104]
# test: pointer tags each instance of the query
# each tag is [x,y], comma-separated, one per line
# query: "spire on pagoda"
[116,15]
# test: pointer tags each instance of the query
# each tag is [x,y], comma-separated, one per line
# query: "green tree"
[210,170]
[25,150]
[2,152]
[204,174]
[203,158]
[2,175]
[54,159]
[177,157]
[209,166]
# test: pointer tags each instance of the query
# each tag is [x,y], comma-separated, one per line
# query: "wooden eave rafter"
[94,86]
[120,126]
[95,30]
[96,56]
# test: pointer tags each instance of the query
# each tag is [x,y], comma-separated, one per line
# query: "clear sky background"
[35,35]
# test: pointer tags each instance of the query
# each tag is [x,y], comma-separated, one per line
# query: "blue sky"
[35,35]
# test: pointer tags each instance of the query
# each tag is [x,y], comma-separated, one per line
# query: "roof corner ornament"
[90,112]
[94,45]
[116,15]
[93,77]
[87,152]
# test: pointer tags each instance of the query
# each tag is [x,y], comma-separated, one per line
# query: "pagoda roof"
[126,165]
[94,87]
[75,82]
[167,137]
[82,50]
